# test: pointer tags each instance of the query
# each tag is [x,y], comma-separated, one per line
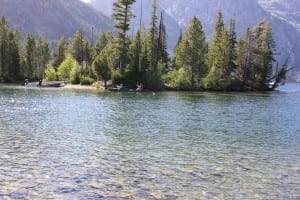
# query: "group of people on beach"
[26,81]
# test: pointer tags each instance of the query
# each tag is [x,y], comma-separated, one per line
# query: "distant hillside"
[53,18]
[287,10]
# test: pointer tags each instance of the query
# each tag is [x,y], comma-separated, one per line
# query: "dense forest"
[226,63]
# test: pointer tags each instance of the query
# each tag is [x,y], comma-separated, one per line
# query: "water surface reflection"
[83,145]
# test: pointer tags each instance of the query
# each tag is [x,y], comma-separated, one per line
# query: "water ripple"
[58,144]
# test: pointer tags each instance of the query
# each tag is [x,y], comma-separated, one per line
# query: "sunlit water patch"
[66,144]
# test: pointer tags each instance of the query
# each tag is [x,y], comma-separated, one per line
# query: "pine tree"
[102,67]
[191,53]
[244,62]
[42,56]
[9,52]
[81,50]
[30,57]
[134,74]
[60,52]
[13,57]
[144,59]
[162,43]
[154,73]
[218,58]
[4,34]
[233,44]
[104,39]
[76,47]
[122,14]
[264,48]
[175,51]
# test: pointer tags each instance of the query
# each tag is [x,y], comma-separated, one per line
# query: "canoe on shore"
[45,84]
[53,84]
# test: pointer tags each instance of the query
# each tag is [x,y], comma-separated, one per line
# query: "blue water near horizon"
[69,144]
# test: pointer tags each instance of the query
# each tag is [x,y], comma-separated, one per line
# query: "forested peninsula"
[225,63]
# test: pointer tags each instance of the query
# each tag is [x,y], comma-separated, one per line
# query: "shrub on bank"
[86,80]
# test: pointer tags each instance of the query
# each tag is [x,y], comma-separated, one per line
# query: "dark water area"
[68,144]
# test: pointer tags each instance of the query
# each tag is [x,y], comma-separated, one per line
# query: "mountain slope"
[53,18]
[288,11]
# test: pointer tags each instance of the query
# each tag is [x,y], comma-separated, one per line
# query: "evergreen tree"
[104,39]
[264,48]
[42,56]
[218,58]
[233,44]
[134,74]
[244,62]
[175,51]
[154,79]
[88,56]
[102,67]
[162,43]
[122,14]
[191,53]
[144,58]
[13,57]
[9,53]
[81,50]
[4,34]
[30,57]
[60,52]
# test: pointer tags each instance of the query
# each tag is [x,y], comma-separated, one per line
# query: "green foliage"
[4,31]
[116,77]
[183,81]
[244,73]
[178,79]
[102,67]
[60,52]
[17,61]
[219,58]
[134,72]
[254,62]
[104,39]
[75,74]
[122,14]
[81,50]
[86,80]
[264,48]
[155,48]
[30,59]
[223,64]
[66,67]
[42,55]
[190,54]
[50,74]
[176,51]
[163,55]
[12,57]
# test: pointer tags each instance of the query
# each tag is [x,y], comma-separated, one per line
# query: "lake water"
[66,144]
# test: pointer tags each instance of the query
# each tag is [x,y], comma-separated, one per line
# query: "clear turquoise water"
[66,144]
